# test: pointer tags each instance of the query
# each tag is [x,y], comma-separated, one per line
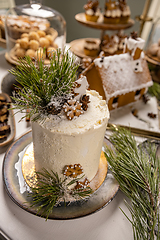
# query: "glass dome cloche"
[153,50]
[35,30]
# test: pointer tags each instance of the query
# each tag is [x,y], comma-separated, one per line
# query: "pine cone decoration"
[51,109]
[85,101]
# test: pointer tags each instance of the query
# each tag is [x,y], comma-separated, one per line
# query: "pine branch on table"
[138,174]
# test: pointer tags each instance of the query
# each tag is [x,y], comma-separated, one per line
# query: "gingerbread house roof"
[120,74]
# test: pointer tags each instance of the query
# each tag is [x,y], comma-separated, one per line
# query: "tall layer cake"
[59,142]
[68,121]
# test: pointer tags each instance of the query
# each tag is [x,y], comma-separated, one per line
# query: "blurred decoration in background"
[31,28]
[143,18]
[6,4]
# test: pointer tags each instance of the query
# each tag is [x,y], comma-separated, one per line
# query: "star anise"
[85,100]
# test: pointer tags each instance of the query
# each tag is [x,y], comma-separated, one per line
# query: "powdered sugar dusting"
[95,116]
[118,76]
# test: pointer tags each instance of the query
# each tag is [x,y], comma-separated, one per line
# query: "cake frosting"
[59,142]
[68,127]
[91,47]
[92,10]
[126,11]
[27,22]
[116,11]
[91,44]
[113,13]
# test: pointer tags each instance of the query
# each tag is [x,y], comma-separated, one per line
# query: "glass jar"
[32,29]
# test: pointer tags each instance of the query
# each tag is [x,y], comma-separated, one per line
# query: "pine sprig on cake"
[45,88]
[138,172]
[52,190]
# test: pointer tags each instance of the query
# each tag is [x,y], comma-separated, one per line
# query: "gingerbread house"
[121,79]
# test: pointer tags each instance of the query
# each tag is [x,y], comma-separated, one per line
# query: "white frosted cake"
[65,158]
[68,123]
[59,142]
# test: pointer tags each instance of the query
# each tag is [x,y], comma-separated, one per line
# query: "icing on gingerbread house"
[121,79]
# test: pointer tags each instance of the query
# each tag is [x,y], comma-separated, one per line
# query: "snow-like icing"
[118,76]
[113,13]
[115,105]
[134,43]
[126,11]
[26,22]
[82,89]
[136,65]
[94,117]
[60,142]
[111,49]
[91,45]
[91,12]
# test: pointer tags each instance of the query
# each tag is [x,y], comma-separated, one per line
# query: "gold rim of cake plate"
[30,176]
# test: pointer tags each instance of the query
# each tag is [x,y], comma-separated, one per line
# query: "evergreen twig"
[138,174]
[41,84]
[51,190]
[154,90]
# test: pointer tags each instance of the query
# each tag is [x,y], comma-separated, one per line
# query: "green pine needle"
[51,190]
[138,174]
[43,84]
[154,90]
